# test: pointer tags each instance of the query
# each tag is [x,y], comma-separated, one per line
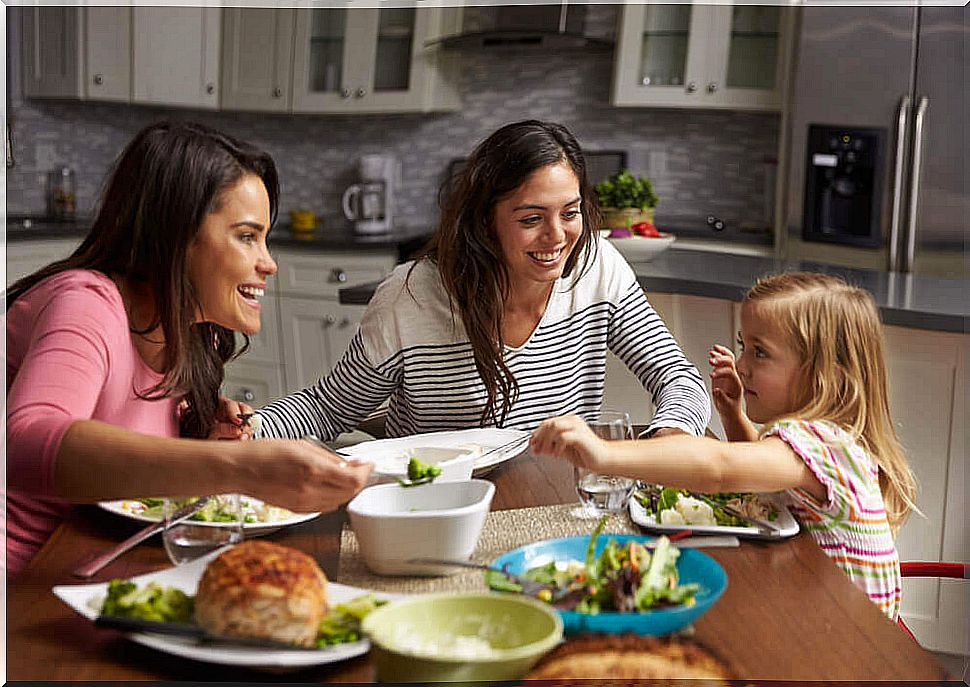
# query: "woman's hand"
[571,438]
[229,424]
[726,385]
[299,476]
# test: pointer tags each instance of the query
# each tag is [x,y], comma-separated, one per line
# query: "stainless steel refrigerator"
[899,78]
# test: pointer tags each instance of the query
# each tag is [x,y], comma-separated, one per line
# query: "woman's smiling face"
[539,224]
[228,261]
[768,366]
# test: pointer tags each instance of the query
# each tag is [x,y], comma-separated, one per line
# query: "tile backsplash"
[701,162]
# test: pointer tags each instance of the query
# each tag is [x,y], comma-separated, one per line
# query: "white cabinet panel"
[51,45]
[176,56]
[264,347]
[26,257]
[257,59]
[324,274]
[107,46]
[315,334]
[255,384]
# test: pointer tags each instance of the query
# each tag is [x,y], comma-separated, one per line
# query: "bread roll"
[263,590]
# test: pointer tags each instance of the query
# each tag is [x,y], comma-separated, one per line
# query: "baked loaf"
[628,657]
[263,590]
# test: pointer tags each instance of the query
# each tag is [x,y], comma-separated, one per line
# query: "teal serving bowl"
[692,566]
[452,637]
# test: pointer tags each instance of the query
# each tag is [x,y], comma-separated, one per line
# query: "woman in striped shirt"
[812,369]
[507,317]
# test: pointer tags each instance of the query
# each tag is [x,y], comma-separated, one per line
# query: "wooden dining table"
[788,612]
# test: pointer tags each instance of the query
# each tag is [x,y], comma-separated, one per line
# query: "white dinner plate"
[786,522]
[86,599]
[390,456]
[131,508]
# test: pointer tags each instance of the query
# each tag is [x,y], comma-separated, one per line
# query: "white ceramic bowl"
[641,248]
[394,524]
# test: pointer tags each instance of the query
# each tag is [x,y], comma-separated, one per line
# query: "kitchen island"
[698,294]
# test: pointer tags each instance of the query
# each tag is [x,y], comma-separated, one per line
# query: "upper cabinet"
[707,56]
[372,60]
[123,54]
[257,59]
[175,56]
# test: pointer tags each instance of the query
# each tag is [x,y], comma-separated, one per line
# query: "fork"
[529,587]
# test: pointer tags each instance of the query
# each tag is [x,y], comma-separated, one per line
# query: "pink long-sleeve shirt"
[70,357]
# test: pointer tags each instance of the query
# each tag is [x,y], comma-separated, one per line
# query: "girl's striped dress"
[851,525]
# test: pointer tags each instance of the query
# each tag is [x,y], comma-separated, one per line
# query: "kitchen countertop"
[905,300]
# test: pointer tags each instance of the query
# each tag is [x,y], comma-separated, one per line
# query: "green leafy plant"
[623,190]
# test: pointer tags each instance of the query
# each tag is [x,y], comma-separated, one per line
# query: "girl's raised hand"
[726,384]
[571,438]
[230,422]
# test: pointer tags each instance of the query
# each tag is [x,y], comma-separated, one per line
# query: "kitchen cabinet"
[124,54]
[928,377]
[175,56]
[373,60]
[706,56]
[257,59]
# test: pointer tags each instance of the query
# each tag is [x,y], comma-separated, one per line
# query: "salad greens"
[624,578]
[342,623]
[656,498]
[151,602]
[418,469]
[216,510]
[168,604]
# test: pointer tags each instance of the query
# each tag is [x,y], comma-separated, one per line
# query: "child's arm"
[696,463]
[727,390]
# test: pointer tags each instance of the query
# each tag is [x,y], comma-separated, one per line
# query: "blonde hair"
[836,332]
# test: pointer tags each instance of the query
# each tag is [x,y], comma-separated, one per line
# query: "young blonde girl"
[812,371]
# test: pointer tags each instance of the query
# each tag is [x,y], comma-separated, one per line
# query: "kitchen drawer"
[324,274]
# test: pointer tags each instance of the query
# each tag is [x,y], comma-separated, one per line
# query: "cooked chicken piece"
[263,590]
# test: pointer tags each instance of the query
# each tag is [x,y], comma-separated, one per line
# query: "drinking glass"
[187,540]
[603,494]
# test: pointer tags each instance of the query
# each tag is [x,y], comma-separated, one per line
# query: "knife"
[117,622]
[93,567]
[764,527]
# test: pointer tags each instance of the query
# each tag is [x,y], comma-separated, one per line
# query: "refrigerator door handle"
[910,256]
[897,210]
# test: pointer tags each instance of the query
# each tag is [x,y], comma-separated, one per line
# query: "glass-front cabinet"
[711,56]
[359,60]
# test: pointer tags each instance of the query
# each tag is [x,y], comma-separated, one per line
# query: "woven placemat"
[503,530]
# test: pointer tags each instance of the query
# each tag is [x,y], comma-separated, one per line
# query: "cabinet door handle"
[337,276]
[98,79]
[210,88]
[361,92]
[277,92]
[246,395]
[691,87]
[329,321]
[712,87]
[345,322]
[345,92]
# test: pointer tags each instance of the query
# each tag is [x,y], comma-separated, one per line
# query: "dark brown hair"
[466,248]
[168,178]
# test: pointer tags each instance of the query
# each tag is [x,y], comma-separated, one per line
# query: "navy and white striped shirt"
[410,348]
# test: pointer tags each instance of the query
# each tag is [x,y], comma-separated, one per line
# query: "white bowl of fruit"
[640,242]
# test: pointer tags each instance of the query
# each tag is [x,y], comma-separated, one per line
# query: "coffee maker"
[370,203]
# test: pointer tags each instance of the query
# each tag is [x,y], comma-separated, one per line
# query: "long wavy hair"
[835,329]
[466,249]
[162,187]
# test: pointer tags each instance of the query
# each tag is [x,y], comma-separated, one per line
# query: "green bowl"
[414,639]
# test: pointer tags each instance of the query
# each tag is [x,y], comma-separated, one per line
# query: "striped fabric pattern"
[851,526]
[411,350]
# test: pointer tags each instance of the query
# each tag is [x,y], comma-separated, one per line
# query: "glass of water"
[602,494]
[219,523]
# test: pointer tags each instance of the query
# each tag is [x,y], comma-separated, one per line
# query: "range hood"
[524,27]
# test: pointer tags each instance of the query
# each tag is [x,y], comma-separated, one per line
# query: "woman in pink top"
[115,355]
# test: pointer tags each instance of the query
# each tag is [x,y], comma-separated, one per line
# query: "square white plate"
[86,599]
[390,455]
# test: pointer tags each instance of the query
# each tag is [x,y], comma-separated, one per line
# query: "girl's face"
[768,366]
[538,225]
[228,261]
